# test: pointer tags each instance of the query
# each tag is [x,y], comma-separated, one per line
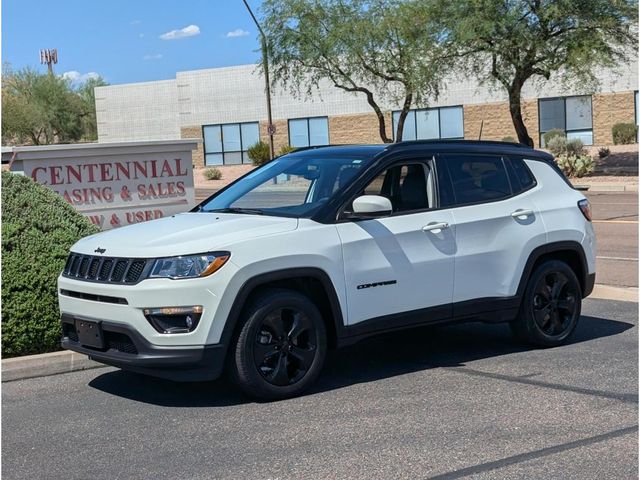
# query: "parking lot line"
[543,452]
[627,259]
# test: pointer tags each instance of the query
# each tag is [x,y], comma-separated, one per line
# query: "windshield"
[289,186]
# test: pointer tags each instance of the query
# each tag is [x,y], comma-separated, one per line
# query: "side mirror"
[371,206]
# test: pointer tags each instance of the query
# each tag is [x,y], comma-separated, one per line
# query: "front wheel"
[281,347]
[550,307]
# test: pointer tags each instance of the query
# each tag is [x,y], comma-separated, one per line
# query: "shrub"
[509,139]
[604,152]
[551,134]
[259,153]
[557,145]
[286,149]
[624,133]
[38,228]
[576,166]
[575,147]
[212,173]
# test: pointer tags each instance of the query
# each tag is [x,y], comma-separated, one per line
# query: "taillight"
[585,208]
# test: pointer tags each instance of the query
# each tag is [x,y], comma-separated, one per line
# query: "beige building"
[225,108]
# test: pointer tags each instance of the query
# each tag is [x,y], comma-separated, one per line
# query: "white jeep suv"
[325,246]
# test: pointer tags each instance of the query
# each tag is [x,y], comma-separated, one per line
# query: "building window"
[569,114]
[308,132]
[431,123]
[227,144]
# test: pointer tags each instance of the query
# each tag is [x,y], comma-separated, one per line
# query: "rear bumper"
[126,348]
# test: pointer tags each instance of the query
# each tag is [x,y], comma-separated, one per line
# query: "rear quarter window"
[521,177]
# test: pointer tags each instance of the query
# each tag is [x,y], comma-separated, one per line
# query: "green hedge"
[38,228]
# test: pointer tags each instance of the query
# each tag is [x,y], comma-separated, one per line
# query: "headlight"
[189,266]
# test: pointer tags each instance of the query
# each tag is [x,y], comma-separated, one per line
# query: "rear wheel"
[281,347]
[551,305]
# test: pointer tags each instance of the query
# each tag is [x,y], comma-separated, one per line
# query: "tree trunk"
[516,114]
[403,115]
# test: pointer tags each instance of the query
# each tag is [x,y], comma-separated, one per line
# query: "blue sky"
[129,40]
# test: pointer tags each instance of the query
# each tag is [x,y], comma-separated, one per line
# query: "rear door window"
[477,178]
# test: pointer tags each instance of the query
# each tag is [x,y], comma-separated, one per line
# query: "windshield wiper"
[248,211]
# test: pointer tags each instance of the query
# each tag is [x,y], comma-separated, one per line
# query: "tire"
[281,347]
[550,309]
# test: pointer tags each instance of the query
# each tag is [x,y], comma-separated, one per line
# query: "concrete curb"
[608,187]
[622,294]
[45,364]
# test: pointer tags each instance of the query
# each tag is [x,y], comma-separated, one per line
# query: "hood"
[183,234]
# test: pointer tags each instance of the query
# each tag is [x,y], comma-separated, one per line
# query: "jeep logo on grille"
[100,250]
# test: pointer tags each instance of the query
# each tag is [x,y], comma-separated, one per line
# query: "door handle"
[435,227]
[522,213]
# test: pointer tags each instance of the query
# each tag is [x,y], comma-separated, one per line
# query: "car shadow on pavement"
[376,358]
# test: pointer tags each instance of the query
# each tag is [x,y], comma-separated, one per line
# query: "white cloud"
[238,32]
[75,76]
[156,56]
[188,31]
[135,22]
[141,35]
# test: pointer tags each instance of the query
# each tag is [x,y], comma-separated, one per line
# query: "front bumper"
[126,348]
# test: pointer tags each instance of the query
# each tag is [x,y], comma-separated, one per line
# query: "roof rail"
[466,142]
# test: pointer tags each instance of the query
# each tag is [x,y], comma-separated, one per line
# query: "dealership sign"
[115,184]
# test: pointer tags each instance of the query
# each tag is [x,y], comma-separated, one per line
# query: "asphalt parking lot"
[462,401]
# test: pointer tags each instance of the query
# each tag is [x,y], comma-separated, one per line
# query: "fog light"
[174,319]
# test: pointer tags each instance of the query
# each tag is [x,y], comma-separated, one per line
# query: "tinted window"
[477,178]
[520,176]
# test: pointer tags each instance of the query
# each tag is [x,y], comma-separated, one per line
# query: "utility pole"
[49,57]
[271,129]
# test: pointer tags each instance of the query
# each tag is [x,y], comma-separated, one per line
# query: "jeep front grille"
[105,269]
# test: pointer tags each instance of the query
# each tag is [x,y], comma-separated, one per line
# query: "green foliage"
[576,166]
[286,149]
[559,145]
[43,109]
[551,134]
[212,173]
[259,153]
[604,152]
[571,156]
[387,50]
[624,133]
[38,228]
[509,139]
[510,42]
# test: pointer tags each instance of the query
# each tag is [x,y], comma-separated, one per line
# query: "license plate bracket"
[89,334]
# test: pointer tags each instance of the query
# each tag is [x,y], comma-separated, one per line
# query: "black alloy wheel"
[554,303]
[285,346]
[550,307]
[281,346]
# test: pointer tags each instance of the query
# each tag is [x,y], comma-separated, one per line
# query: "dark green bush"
[624,133]
[551,134]
[38,228]
[259,153]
